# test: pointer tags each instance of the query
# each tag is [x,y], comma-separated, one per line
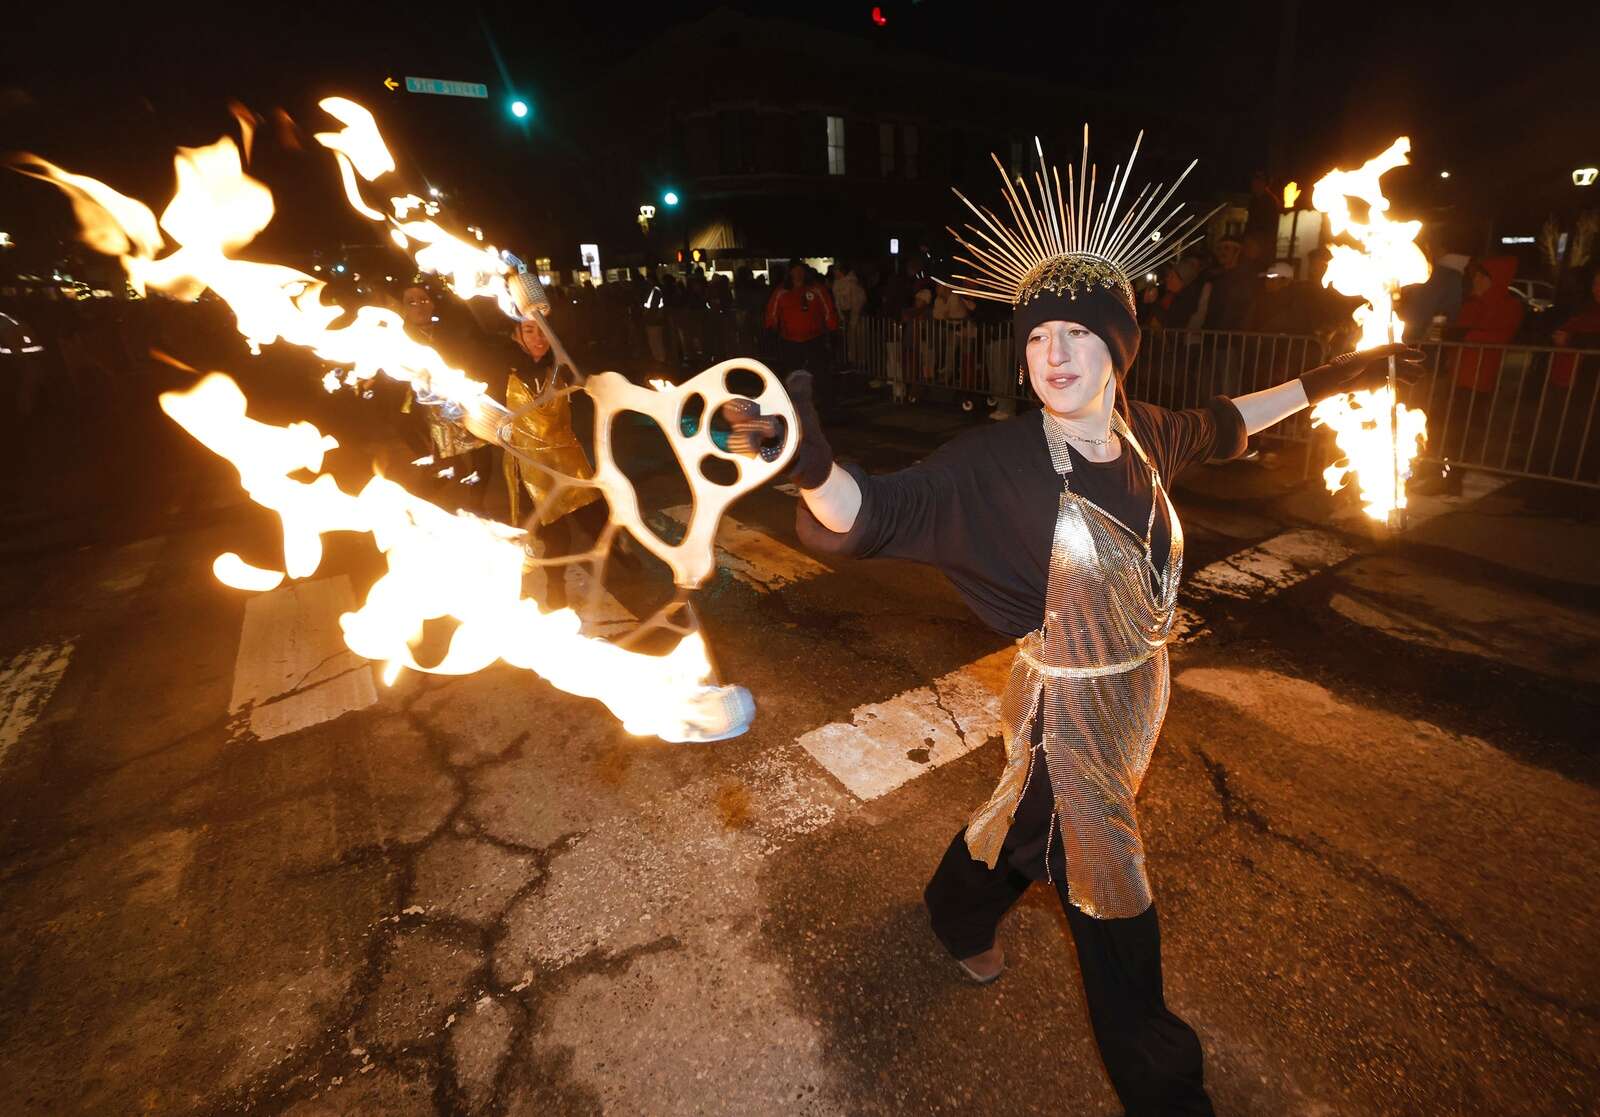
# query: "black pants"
[1152,1057]
[572,534]
[816,358]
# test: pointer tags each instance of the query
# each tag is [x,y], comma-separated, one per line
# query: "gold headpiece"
[1070,242]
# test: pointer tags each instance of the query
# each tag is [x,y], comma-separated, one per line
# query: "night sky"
[1501,94]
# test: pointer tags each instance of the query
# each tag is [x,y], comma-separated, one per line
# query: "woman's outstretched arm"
[1352,372]
[836,502]
[1271,406]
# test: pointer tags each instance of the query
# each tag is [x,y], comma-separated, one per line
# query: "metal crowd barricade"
[1516,410]
[967,358]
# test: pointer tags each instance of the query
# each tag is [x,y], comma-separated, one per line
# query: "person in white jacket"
[849,299]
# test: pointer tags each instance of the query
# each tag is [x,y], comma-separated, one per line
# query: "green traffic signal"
[670,197]
[519,109]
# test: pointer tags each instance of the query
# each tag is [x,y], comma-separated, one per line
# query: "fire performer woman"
[569,523]
[1057,529]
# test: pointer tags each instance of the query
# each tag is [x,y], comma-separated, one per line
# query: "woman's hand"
[813,457]
[1362,371]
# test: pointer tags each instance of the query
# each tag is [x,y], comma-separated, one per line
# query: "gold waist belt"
[1025,655]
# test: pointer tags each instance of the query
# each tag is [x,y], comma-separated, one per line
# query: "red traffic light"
[879,18]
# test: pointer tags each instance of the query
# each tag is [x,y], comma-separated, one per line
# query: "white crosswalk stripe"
[293,669]
[26,685]
[754,557]
[887,744]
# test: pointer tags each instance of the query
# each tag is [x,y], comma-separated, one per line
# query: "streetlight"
[1444,174]
[1585,176]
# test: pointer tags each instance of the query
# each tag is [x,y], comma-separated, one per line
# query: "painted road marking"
[1270,568]
[293,669]
[26,684]
[754,557]
[888,744]
[609,619]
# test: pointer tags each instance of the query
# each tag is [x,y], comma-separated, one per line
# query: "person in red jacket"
[802,316]
[1581,331]
[1491,316]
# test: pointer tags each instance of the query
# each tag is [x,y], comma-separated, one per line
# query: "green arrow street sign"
[446,88]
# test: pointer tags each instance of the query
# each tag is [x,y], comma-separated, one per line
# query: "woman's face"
[532,339]
[1069,366]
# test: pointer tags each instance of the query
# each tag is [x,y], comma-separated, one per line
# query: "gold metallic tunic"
[1096,673]
[545,434]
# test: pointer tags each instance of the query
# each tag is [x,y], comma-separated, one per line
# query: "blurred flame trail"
[439,564]
[1378,434]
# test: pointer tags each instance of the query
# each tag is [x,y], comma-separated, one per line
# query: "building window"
[909,151]
[738,143]
[836,145]
[886,149]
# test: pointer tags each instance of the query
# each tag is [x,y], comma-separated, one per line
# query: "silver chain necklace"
[1062,427]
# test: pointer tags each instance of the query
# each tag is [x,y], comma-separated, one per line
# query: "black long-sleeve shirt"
[982,508]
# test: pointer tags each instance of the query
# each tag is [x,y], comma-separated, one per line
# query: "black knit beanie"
[1099,308]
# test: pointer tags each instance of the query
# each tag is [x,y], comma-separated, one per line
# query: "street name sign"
[446,88]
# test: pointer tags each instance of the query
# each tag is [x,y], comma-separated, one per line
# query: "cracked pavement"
[1370,821]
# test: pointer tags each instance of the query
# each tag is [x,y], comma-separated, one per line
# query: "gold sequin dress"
[1095,673]
[545,434]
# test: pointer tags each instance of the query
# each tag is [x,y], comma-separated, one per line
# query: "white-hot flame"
[1378,435]
[439,564]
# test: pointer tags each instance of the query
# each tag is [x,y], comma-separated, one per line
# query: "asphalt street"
[238,874]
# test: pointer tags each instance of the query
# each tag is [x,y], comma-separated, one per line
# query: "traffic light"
[670,198]
[519,109]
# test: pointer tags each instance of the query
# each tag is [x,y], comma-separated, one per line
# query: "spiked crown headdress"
[1071,241]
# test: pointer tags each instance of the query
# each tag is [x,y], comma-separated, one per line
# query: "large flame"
[439,564]
[1378,435]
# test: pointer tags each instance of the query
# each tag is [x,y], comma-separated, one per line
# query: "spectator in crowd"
[1264,209]
[1171,305]
[1281,306]
[896,296]
[1581,330]
[801,316]
[1439,297]
[1490,316]
[1232,288]
[655,317]
[718,333]
[750,302]
[850,300]
[849,296]
[952,310]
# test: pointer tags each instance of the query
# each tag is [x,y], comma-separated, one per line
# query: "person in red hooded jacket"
[1490,316]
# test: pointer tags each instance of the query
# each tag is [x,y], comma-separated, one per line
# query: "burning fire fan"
[439,564]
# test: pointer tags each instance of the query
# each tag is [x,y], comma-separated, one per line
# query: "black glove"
[1361,372]
[813,457]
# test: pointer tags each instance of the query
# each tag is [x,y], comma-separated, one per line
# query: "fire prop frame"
[440,564]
